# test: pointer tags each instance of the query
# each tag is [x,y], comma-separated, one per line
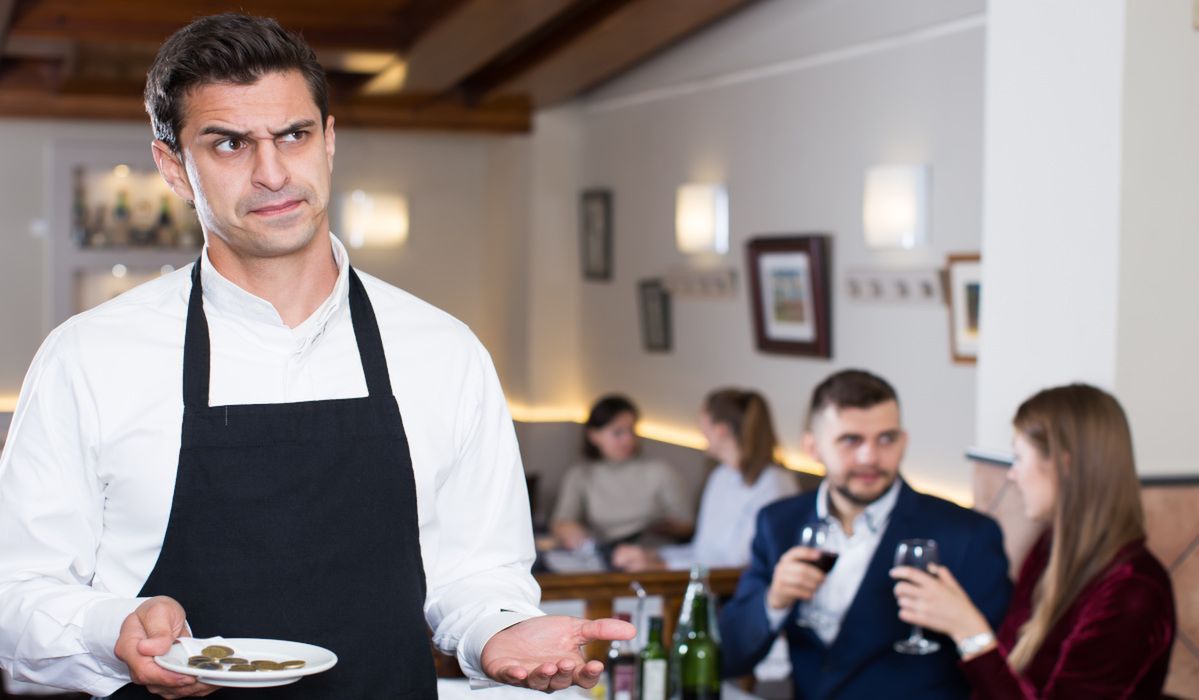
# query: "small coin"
[294,663]
[217,651]
[230,660]
[209,666]
[265,665]
[242,667]
[193,660]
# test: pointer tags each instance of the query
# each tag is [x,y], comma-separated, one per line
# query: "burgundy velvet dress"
[1113,642]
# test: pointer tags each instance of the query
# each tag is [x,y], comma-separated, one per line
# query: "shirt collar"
[875,516]
[224,297]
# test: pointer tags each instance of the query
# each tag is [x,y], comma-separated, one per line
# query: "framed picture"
[595,234]
[789,288]
[654,301]
[963,279]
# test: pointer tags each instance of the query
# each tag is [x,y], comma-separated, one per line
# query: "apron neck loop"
[197,355]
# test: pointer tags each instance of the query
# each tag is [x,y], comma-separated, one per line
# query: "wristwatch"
[975,644]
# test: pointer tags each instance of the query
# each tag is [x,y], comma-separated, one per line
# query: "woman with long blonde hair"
[1092,614]
[741,439]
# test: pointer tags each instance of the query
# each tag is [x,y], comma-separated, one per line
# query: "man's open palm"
[543,653]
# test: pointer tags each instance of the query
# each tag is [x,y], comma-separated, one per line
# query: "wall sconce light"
[895,206]
[374,220]
[701,219]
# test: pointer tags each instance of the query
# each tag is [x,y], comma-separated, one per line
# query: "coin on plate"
[265,665]
[209,666]
[294,663]
[230,660]
[217,651]
[193,660]
[242,667]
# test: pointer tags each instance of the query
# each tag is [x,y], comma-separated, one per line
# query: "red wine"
[826,561]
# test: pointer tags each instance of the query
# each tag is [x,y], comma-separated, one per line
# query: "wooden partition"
[598,590]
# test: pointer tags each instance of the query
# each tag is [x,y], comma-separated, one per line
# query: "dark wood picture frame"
[595,234]
[797,320]
[963,295]
[653,304]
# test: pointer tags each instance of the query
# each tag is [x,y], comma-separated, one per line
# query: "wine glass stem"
[917,634]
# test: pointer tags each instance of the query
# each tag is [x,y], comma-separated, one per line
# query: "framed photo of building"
[654,303]
[595,234]
[963,279]
[789,291]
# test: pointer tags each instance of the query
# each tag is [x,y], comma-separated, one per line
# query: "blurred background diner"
[652,198]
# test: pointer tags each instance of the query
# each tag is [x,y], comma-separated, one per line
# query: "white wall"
[1158,340]
[460,217]
[788,103]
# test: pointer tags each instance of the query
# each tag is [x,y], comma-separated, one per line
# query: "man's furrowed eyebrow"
[222,131]
[244,135]
[294,127]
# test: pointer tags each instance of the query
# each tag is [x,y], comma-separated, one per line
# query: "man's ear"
[170,166]
[330,141]
[807,443]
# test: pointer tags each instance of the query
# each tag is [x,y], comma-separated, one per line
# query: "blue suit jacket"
[861,663]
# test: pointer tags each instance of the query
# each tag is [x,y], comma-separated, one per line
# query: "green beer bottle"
[699,656]
[653,664]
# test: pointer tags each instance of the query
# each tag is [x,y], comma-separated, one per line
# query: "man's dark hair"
[850,388]
[228,48]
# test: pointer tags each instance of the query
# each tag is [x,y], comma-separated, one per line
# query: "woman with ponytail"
[1092,614]
[741,439]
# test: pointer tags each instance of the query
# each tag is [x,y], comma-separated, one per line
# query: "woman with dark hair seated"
[1092,615]
[614,495]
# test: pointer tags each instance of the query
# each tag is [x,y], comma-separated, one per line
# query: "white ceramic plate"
[316,659]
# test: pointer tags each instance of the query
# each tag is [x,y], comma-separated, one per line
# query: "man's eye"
[294,137]
[230,145]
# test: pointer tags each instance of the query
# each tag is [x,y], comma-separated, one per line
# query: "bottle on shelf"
[622,667]
[122,226]
[164,228]
[654,665]
[695,653]
[79,223]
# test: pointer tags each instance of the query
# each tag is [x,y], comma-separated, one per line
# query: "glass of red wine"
[918,554]
[816,536]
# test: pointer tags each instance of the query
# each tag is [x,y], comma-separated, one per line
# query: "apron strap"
[197,356]
[370,343]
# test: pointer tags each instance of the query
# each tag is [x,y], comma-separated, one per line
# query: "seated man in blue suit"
[841,627]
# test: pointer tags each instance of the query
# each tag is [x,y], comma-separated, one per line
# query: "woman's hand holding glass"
[936,601]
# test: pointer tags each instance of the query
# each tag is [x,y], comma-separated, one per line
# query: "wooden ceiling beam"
[113,100]
[630,35]
[7,8]
[468,39]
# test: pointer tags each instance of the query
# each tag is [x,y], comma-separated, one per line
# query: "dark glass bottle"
[622,667]
[653,674]
[699,656]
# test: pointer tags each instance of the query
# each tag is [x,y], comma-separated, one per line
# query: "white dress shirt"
[827,608]
[88,472]
[728,514]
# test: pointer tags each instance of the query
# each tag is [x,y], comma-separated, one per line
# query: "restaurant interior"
[612,193]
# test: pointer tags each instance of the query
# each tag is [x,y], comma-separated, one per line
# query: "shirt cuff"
[101,627]
[775,617]
[470,647]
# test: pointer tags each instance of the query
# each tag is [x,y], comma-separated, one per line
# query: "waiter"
[267,443]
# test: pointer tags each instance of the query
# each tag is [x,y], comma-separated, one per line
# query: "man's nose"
[270,169]
[866,453]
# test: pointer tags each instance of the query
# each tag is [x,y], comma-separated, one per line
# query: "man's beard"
[860,500]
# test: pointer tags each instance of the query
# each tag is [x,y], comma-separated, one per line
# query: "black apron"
[298,521]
